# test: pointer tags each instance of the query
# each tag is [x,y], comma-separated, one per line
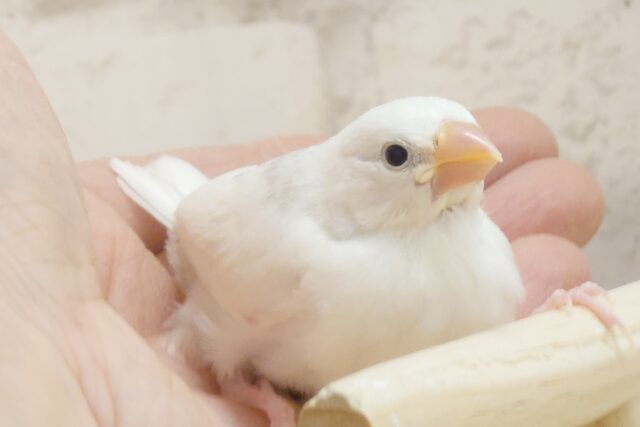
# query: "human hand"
[107,365]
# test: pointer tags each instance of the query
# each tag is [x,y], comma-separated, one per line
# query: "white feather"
[160,186]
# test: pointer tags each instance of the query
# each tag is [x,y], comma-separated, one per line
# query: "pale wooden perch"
[554,369]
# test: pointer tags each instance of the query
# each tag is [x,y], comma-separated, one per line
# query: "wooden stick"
[628,415]
[560,368]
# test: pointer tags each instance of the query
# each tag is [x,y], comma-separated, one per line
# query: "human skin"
[85,291]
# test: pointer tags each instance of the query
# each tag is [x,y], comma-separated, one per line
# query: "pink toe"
[559,299]
[587,295]
[261,396]
[597,307]
[592,289]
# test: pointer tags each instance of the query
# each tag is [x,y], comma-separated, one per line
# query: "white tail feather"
[159,187]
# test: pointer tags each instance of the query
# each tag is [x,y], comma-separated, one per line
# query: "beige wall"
[130,76]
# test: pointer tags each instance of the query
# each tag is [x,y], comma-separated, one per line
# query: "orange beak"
[463,155]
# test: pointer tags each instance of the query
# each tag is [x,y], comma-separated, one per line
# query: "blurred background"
[137,76]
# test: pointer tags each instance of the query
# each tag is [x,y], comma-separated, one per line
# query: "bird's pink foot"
[263,397]
[587,295]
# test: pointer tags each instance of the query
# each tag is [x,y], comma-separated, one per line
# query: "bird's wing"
[246,249]
[159,187]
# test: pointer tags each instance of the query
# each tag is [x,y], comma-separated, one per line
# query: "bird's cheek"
[423,174]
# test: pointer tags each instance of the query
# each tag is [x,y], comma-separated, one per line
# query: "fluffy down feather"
[327,260]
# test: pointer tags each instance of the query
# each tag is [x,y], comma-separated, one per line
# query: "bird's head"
[407,161]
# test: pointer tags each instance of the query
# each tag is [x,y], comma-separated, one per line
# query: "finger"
[214,160]
[547,263]
[520,136]
[124,379]
[43,226]
[97,177]
[133,280]
[550,196]
[45,258]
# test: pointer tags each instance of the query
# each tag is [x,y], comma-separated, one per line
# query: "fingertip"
[214,160]
[546,263]
[595,202]
[519,135]
[551,196]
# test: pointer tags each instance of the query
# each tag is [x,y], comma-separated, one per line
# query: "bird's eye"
[396,155]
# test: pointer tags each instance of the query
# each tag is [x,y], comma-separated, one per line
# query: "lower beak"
[463,155]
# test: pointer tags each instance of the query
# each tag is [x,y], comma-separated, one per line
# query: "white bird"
[332,258]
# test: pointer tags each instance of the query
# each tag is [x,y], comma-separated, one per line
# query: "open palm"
[86,291]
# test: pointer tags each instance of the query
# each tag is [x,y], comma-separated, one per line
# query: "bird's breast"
[390,294]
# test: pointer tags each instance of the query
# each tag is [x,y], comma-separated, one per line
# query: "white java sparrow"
[332,258]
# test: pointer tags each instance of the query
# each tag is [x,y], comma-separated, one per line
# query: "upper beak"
[463,155]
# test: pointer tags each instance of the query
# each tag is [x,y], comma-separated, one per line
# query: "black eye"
[396,155]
